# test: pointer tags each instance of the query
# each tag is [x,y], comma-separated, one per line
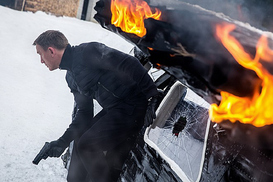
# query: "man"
[121,86]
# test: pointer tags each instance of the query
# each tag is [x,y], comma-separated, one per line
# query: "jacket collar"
[66,62]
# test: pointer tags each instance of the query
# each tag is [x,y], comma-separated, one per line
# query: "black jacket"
[95,71]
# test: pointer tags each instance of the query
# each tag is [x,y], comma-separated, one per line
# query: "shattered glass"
[181,139]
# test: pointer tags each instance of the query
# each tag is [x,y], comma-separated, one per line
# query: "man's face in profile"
[47,57]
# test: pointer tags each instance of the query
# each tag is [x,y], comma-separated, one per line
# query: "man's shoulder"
[90,45]
[96,54]
[98,46]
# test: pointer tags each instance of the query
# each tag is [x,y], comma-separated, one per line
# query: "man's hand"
[52,149]
[56,148]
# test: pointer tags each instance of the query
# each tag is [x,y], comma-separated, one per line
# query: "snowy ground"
[35,103]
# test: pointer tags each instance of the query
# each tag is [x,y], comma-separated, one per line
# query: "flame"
[257,109]
[129,15]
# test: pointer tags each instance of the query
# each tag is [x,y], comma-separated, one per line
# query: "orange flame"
[129,15]
[258,109]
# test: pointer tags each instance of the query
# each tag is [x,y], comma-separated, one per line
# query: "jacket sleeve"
[80,119]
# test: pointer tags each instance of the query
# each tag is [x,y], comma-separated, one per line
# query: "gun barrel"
[42,154]
[37,159]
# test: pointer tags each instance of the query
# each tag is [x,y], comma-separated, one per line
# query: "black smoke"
[258,13]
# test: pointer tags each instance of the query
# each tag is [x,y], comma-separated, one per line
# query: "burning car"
[226,133]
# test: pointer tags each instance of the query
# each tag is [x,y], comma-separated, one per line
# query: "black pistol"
[43,154]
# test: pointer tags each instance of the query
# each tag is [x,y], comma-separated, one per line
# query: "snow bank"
[36,104]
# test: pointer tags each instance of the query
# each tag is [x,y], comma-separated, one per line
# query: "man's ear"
[51,50]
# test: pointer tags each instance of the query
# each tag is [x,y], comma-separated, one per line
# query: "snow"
[36,104]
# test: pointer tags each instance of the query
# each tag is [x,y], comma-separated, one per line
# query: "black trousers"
[99,154]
